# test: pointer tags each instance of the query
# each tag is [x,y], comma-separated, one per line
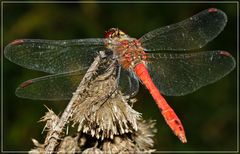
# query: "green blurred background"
[208,115]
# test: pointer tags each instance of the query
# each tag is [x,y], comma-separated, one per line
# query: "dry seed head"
[103,112]
[106,122]
[93,150]
[143,138]
[69,145]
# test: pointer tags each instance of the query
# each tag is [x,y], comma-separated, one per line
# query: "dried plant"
[105,121]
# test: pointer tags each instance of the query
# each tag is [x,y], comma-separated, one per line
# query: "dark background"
[208,115]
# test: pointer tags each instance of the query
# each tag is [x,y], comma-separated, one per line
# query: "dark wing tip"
[8,51]
[17,42]
[212,10]
[228,55]
[26,83]
[216,11]
[22,87]
[225,53]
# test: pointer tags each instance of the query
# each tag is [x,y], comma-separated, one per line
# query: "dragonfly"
[161,60]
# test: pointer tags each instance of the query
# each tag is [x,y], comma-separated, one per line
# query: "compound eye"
[108,34]
[113,33]
[121,33]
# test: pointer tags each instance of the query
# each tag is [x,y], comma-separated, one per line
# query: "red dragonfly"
[172,73]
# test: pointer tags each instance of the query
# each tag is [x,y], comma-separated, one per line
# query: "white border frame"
[124,2]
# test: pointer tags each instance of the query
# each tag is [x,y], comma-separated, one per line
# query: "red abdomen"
[169,115]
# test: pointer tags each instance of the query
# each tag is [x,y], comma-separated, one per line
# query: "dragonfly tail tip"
[182,138]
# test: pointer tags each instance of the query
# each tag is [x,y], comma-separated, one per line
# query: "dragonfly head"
[115,33]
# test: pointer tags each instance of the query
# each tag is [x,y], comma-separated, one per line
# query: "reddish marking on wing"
[17,42]
[225,53]
[26,83]
[169,115]
[212,10]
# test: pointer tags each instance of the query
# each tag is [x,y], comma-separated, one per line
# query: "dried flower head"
[69,145]
[102,111]
[106,122]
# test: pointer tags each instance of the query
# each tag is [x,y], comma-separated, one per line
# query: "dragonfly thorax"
[128,51]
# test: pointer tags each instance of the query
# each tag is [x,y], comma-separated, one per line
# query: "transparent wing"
[128,83]
[54,56]
[192,33]
[180,74]
[61,86]
[52,87]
